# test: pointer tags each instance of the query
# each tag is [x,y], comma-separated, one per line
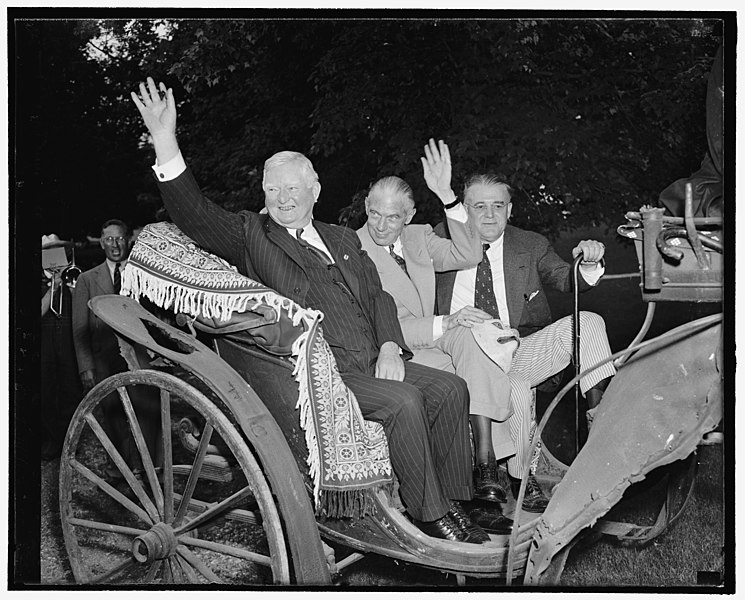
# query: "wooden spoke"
[191,575]
[133,531]
[214,511]
[165,420]
[194,561]
[225,549]
[191,482]
[152,571]
[147,460]
[120,568]
[123,467]
[167,572]
[176,572]
[156,509]
[111,491]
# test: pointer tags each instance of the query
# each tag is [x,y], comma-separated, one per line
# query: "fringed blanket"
[347,456]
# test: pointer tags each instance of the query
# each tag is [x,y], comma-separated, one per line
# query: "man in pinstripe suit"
[508,283]
[423,410]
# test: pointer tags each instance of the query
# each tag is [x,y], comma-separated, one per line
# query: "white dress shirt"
[310,235]
[171,169]
[465,281]
[112,267]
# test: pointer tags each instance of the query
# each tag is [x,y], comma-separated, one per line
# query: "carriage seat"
[345,456]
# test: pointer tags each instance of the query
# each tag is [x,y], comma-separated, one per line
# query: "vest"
[346,327]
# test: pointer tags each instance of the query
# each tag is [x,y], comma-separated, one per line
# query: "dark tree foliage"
[588,118]
[75,163]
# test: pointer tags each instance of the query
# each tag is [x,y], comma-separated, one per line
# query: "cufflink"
[162,175]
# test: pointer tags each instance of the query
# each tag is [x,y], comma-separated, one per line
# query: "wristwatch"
[453,204]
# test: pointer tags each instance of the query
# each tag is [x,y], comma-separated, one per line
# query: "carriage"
[229,491]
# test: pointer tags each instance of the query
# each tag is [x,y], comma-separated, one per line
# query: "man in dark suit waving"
[424,411]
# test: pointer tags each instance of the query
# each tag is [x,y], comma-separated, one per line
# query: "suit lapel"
[516,261]
[392,277]
[103,278]
[342,253]
[282,238]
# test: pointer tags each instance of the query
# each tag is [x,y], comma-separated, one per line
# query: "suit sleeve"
[212,227]
[81,325]
[417,330]
[554,271]
[383,308]
[462,251]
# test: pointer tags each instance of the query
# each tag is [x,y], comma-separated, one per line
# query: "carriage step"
[622,530]
[237,514]
[214,468]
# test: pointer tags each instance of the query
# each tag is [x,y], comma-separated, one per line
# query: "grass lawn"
[695,543]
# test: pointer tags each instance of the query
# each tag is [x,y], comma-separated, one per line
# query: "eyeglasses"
[109,240]
[481,207]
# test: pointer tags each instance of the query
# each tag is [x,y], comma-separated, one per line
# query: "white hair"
[286,156]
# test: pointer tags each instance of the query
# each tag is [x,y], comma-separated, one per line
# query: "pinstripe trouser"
[541,355]
[425,418]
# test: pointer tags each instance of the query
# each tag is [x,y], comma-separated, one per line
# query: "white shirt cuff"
[592,273]
[437,327]
[457,213]
[170,170]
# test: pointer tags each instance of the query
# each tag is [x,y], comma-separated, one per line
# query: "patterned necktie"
[117,278]
[399,259]
[316,252]
[483,296]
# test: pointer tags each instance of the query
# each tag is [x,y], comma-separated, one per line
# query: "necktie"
[316,252]
[399,259]
[483,296]
[117,278]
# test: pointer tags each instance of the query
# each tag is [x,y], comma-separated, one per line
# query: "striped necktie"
[483,296]
[117,278]
[399,259]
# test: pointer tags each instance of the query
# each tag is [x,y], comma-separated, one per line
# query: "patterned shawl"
[347,456]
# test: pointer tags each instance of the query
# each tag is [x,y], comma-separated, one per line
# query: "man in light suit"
[97,349]
[509,284]
[407,257]
[423,411]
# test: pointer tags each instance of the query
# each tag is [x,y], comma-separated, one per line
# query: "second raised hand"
[437,170]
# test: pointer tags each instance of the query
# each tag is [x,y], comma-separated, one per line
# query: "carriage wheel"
[174,523]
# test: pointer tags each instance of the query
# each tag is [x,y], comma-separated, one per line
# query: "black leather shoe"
[474,533]
[492,522]
[488,516]
[486,483]
[535,500]
[444,528]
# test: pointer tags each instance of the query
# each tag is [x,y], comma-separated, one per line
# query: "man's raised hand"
[438,170]
[158,112]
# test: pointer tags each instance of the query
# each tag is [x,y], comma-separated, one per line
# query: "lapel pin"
[346,257]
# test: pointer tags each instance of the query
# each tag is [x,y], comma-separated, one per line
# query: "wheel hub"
[157,544]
